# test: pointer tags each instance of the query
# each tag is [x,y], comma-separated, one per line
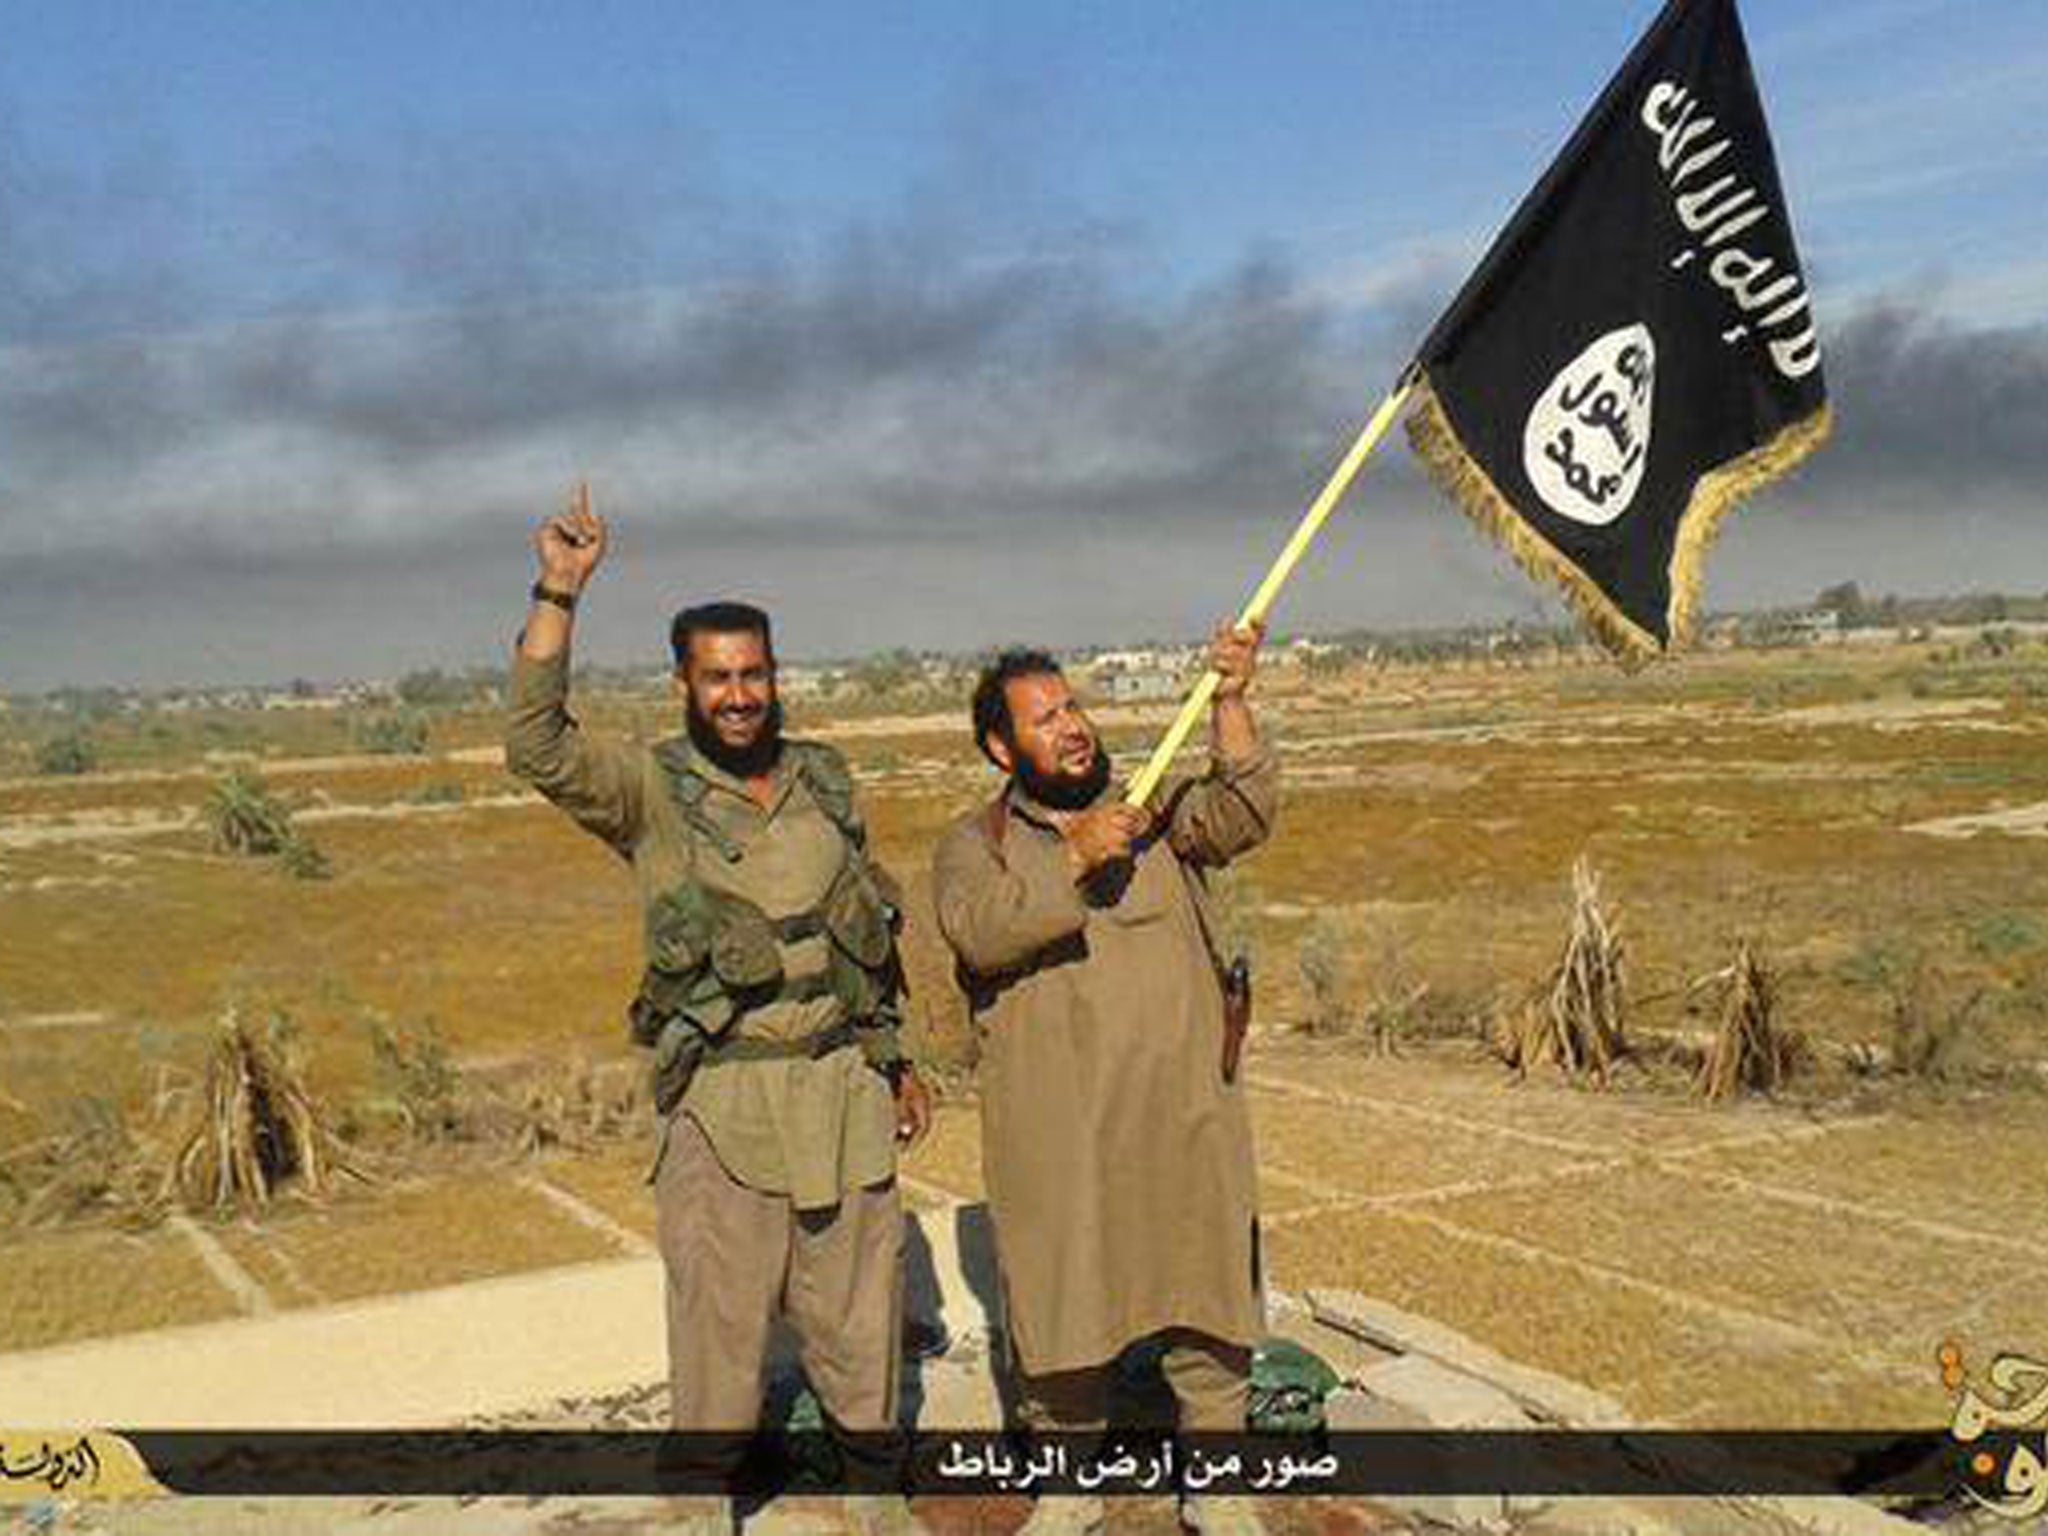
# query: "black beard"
[1062,792]
[748,762]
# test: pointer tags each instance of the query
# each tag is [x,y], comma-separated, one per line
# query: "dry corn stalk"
[1575,1021]
[1747,1050]
[101,1165]
[576,1108]
[530,1106]
[255,1127]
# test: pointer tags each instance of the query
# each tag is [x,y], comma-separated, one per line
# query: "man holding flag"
[1634,354]
[1115,1140]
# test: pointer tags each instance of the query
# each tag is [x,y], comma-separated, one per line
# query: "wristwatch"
[566,601]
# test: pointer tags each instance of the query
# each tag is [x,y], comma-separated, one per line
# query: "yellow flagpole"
[1148,778]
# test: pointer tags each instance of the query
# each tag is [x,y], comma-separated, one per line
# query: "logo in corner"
[2013,1399]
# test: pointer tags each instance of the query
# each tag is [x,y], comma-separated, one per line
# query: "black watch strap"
[566,601]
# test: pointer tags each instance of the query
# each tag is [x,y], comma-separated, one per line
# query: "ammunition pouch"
[678,1052]
[815,1046]
[693,927]
[713,957]
[681,1050]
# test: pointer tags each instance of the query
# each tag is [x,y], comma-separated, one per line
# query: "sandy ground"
[1890,711]
[46,829]
[2018,821]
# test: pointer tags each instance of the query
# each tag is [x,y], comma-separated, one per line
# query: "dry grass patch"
[1859,1285]
[464,1227]
[612,1180]
[99,1165]
[1371,1151]
[1281,1195]
[429,920]
[274,1270]
[57,1287]
[302,783]
[1661,1364]
[1485,1096]
[1959,1164]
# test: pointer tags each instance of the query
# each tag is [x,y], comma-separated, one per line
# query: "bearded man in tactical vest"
[1115,1143]
[769,1003]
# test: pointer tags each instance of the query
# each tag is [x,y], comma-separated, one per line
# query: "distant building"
[1302,650]
[1816,626]
[1128,686]
[1147,672]
[1142,659]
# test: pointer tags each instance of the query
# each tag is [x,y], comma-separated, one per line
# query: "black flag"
[1636,352]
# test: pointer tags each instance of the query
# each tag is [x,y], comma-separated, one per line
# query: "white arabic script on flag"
[1718,212]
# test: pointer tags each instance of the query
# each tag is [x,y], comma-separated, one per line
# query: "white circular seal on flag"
[1588,435]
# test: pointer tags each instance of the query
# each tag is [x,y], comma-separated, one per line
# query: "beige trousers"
[736,1258]
[1211,1383]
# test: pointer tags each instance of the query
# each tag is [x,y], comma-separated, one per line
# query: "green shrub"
[1933,1025]
[303,859]
[1325,977]
[401,733]
[71,753]
[1999,934]
[417,1079]
[245,817]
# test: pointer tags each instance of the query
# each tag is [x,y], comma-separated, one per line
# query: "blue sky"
[960,285]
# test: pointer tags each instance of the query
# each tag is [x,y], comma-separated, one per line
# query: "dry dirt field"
[1877,820]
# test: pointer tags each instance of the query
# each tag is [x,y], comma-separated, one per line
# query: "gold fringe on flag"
[1713,498]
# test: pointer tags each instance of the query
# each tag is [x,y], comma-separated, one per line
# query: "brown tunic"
[1118,1162]
[809,1129]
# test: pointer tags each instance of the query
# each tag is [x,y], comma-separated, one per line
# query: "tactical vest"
[712,957]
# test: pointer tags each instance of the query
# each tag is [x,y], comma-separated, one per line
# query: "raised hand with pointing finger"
[570,545]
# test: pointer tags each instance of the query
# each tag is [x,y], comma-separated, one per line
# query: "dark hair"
[992,694]
[721,618]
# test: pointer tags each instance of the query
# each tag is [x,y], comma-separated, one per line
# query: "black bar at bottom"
[1869,1463]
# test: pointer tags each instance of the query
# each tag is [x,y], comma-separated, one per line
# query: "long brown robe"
[1117,1160]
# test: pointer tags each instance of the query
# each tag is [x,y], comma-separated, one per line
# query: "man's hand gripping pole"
[1148,777]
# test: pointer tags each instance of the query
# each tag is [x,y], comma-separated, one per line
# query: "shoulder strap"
[824,770]
[687,788]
